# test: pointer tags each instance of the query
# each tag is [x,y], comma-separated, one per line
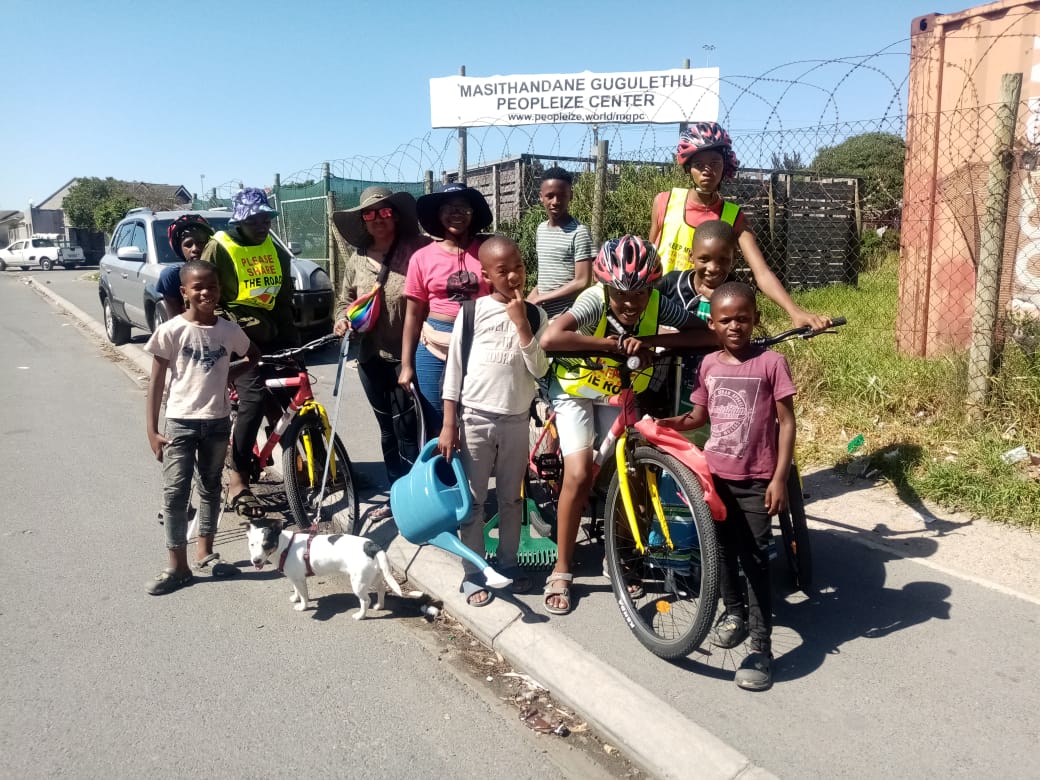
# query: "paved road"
[894,668]
[222,679]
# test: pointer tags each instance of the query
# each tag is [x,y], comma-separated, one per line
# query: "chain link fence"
[823,194]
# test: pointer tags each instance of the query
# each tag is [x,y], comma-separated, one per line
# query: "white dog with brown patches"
[300,554]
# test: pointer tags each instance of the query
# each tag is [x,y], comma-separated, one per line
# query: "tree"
[877,158]
[98,204]
[788,161]
[111,210]
[83,199]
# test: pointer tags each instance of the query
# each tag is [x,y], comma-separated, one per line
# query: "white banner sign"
[681,95]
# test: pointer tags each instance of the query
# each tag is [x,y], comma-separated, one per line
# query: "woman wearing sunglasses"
[382,233]
[440,277]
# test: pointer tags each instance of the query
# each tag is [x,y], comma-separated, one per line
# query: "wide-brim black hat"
[352,227]
[428,208]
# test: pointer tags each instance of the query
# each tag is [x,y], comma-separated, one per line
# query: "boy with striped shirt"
[564,247]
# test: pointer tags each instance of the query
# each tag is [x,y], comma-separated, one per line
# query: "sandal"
[632,582]
[521,582]
[169,580]
[379,513]
[219,567]
[559,591]
[246,505]
[471,589]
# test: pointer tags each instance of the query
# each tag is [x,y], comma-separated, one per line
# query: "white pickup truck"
[43,252]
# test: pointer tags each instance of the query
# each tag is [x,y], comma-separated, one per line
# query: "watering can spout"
[431,501]
[451,543]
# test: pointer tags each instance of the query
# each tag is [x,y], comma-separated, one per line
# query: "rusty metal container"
[956,64]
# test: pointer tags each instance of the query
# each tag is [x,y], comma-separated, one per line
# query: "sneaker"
[755,672]
[168,581]
[730,631]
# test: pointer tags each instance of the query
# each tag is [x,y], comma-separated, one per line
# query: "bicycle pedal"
[549,466]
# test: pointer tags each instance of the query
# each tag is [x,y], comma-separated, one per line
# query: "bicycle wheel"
[668,597]
[794,532]
[303,462]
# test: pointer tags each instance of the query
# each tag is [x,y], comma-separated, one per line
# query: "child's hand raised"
[516,308]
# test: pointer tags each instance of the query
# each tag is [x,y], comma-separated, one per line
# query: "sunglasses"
[384,213]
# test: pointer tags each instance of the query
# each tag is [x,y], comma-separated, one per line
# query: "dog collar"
[306,551]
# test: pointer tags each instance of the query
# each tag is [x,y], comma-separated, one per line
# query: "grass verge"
[910,410]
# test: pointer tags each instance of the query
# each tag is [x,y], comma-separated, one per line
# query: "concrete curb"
[654,735]
[663,741]
[137,357]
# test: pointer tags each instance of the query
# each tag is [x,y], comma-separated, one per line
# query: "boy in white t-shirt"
[505,362]
[196,348]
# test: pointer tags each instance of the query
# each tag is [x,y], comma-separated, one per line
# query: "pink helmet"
[628,264]
[701,136]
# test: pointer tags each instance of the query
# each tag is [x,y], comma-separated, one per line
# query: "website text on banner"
[661,96]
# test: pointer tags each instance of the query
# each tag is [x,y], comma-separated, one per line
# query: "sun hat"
[352,227]
[249,201]
[428,207]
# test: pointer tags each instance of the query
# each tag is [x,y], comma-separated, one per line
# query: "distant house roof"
[146,191]
[10,216]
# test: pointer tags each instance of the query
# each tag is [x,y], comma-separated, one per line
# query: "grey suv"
[140,251]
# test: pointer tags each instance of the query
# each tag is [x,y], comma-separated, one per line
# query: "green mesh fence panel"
[348,191]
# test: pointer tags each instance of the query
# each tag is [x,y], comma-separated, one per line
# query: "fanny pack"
[437,341]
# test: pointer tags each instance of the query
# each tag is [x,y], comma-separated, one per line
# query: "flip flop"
[471,589]
[219,567]
[246,505]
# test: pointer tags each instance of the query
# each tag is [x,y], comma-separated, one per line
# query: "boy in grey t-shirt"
[564,246]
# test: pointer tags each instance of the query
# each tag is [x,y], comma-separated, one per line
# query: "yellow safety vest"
[576,379]
[258,269]
[676,239]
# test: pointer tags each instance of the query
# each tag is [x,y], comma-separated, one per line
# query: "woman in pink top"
[440,277]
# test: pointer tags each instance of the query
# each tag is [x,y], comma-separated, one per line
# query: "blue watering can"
[431,501]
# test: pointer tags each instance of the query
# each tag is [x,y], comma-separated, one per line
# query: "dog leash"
[344,348]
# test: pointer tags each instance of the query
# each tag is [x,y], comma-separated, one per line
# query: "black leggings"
[744,539]
[394,412]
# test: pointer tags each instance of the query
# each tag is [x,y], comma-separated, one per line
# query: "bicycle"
[661,549]
[303,431]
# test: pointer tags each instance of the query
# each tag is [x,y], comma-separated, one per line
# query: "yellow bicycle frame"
[626,497]
[308,446]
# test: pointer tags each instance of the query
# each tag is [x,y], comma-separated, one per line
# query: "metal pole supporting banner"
[462,141]
[599,197]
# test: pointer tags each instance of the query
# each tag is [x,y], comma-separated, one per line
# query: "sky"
[216,93]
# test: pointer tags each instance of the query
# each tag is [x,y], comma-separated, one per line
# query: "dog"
[301,554]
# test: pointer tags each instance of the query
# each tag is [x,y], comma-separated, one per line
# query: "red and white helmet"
[628,264]
[701,136]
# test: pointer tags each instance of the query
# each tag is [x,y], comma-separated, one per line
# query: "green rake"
[535,551]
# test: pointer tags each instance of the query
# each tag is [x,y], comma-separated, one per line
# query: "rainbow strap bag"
[363,313]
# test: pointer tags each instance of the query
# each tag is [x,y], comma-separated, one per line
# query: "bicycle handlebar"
[805,332]
[287,355]
[633,363]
